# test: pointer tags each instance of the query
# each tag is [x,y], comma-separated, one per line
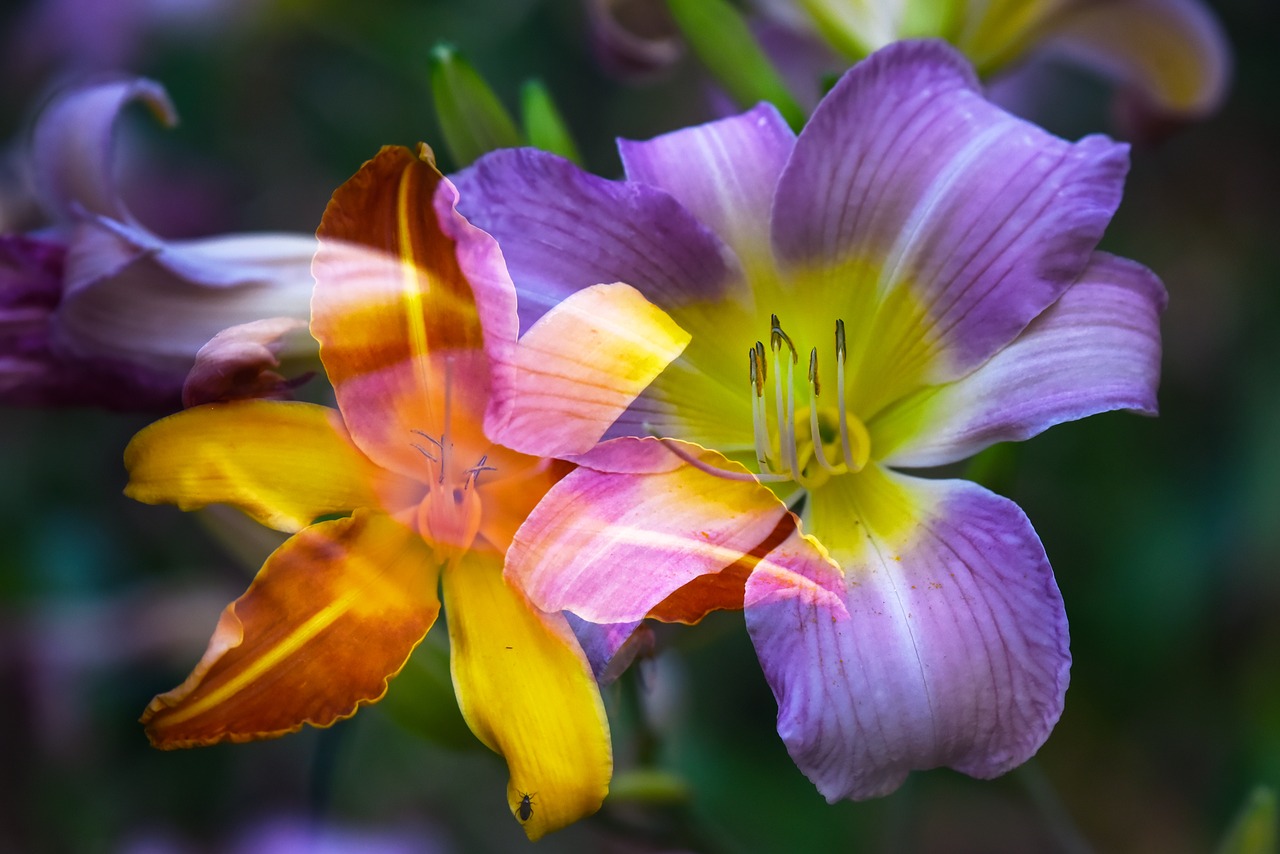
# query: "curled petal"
[73,145]
[633,39]
[573,551]
[242,362]
[579,367]
[1096,349]
[331,617]
[1172,53]
[526,690]
[285,464]
[157,306]
[944,642]
[952,222]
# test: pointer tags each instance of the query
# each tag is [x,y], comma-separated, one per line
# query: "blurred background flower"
[1163,533]
[97,309]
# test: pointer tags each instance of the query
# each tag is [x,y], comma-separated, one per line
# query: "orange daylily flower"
[416,319]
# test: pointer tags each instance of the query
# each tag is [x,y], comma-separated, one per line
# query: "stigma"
[810,443]
[449,515]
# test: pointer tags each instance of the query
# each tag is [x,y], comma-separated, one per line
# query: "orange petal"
[285,464]
[527,692]
[399,330]
[332,615]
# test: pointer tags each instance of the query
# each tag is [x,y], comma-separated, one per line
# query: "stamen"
[783,460]
[814,389]
[785,400]
[759,425]
[439,447]
[845,449]
[776,334]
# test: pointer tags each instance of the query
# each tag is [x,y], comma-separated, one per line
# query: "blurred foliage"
[1163,532]
[1255,829]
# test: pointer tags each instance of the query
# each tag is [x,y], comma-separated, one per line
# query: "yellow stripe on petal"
[399,331]
[527,692]
[285,464]
[333,615]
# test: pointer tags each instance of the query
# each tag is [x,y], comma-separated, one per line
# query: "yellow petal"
[285,464]
[527,692]
[332,615]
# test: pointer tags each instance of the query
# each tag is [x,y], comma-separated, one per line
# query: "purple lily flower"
[101,311]
[910,280]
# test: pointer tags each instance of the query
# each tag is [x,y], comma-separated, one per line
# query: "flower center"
[811,443]
[450,513]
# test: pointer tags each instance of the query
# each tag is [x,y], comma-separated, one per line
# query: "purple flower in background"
[910,280]
[98,310]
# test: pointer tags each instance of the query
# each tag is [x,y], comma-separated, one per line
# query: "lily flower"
[1169,57]
[910,280]
[98,310]
[422,500]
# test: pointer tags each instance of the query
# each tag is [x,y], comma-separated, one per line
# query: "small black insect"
[524,812]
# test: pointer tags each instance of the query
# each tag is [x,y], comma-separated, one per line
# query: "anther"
[819,453]
[759,425]
[473,473]
[846,451]
[776,336]
[440,446]
[785,400]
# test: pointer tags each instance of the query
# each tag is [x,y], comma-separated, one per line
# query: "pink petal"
[579,367]
[611,547]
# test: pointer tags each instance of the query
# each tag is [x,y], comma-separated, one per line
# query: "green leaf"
[720,37]
[1254,830]
[472,119]
[543,125]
